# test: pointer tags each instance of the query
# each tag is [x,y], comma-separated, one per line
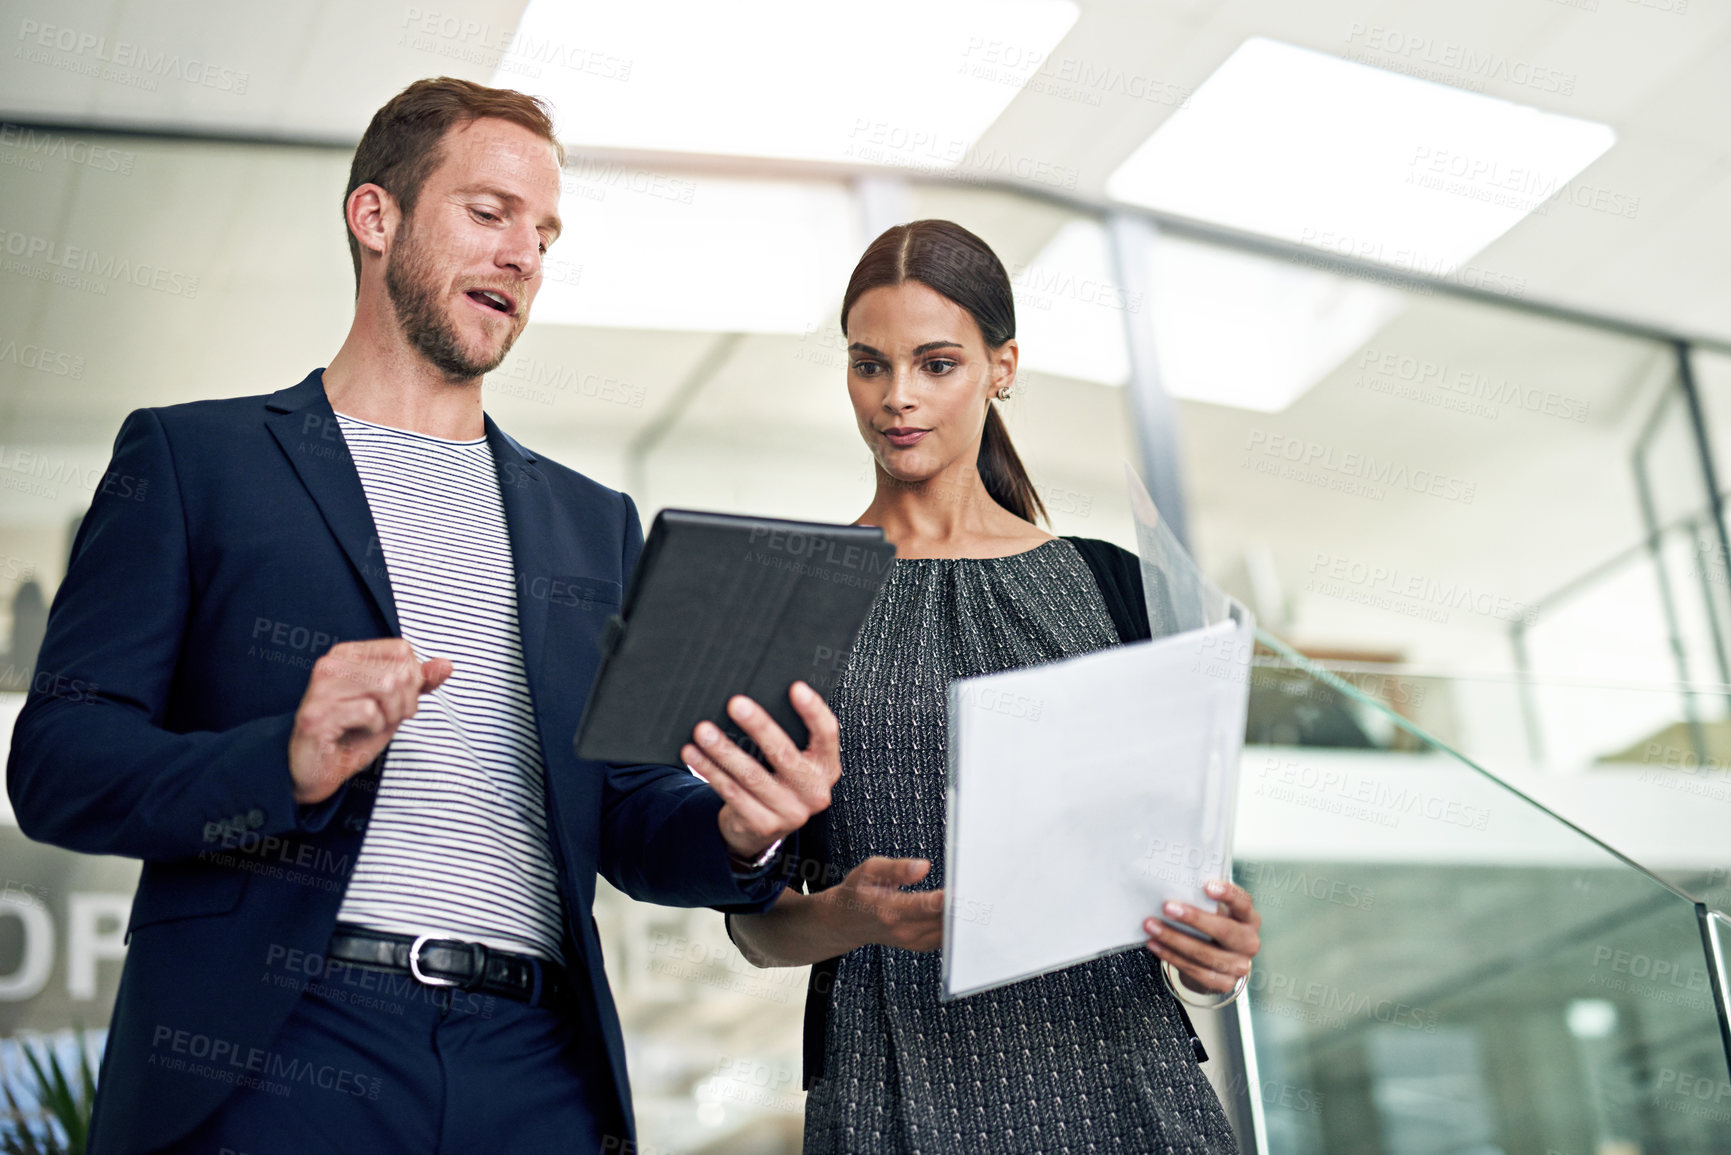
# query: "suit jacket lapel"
[529,520]
[304,425]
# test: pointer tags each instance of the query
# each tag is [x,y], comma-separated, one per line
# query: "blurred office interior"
[1413,314]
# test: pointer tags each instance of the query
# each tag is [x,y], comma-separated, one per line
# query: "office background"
[1413,314]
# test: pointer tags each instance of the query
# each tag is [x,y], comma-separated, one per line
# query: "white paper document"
[1086,793]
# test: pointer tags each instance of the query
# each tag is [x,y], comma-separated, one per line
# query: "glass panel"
[1448,966]
[1713,382]
[1622,761]
[1652,675]
[1456,487]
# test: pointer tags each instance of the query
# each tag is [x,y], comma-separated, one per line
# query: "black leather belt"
[445,962]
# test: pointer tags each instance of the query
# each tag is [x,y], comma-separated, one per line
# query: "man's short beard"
[410,282]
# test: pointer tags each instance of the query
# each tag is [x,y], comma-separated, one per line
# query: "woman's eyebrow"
[862,347]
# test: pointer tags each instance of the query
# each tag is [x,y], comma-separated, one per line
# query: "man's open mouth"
[491,299]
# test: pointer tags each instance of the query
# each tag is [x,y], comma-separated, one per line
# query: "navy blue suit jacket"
[228,546]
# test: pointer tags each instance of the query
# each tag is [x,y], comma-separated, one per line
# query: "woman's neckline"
[1001,557]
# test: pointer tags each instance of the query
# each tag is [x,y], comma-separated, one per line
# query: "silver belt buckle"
[415,965]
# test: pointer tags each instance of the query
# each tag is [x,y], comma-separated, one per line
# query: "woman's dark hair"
[949,260]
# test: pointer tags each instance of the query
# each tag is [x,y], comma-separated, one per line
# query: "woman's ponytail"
[1002,472]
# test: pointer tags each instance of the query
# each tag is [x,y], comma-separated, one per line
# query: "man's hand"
[870,906]
[760,806]
[359,693]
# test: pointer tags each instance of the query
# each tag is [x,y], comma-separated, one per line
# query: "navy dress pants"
[402,1067]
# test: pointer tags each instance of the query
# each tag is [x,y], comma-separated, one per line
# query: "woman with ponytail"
[1095,1057]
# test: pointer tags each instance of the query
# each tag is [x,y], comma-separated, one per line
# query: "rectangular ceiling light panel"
[1355,160]
[910,83]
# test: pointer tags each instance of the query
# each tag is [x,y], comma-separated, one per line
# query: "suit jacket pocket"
[172,890]
[572,595]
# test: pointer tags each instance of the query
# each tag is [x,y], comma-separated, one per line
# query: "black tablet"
[722,605]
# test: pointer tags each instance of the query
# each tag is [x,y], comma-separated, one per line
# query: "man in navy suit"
[329,649]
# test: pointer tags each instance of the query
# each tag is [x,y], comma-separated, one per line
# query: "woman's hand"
[761,806]
[1204,967]
[870,906]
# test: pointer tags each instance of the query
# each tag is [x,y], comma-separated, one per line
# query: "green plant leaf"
[65,1107]
[79,1137]
[19,1138]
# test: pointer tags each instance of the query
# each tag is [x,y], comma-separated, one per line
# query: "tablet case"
[722,605]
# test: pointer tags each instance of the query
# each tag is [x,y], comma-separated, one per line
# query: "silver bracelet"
[1177,987]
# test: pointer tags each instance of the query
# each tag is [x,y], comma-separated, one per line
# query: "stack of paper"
[1086,793]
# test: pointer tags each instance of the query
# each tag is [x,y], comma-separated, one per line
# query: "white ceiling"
[1661,79]
[259,227]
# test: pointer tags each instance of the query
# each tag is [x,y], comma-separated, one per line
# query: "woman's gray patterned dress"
[1092,1058]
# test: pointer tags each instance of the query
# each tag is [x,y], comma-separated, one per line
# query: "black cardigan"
[1118,573]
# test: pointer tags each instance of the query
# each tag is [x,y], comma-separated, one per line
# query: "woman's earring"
[1004,393]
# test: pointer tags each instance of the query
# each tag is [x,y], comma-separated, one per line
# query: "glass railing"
[1645,767]
[1554,724]
[1448,966]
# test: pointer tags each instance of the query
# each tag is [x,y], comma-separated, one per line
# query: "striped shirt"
[457,846]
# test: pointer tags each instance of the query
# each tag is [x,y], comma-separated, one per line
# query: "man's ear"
[373,215]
